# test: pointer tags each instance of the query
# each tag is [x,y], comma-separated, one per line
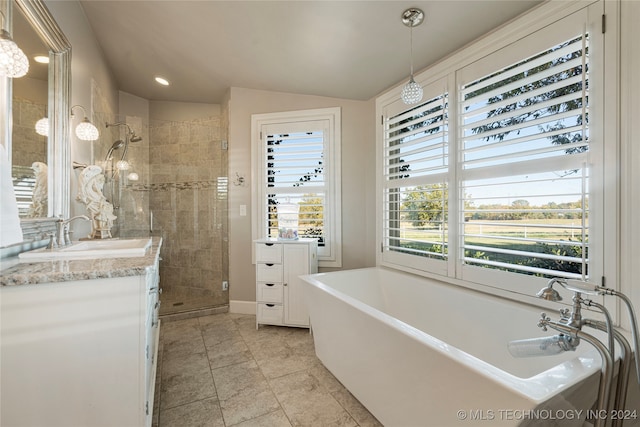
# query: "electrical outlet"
[225,285]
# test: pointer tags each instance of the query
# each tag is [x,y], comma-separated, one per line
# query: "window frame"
[331,256]
[603,230]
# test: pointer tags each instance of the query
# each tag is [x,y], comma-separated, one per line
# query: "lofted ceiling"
[344,49]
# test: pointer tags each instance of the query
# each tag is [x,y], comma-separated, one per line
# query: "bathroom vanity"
[79,341]
[279,263]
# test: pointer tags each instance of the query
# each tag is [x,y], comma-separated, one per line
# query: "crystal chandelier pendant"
[13,62]
[411,92]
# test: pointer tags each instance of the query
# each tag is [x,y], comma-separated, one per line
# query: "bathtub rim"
[538,388]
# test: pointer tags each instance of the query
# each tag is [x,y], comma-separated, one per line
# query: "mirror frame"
[59,110]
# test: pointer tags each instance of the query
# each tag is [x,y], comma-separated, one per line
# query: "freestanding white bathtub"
[417,352]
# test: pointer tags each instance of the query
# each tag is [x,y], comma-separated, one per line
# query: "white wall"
[358,179]
[630,146]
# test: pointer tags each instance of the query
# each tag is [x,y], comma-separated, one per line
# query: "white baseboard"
[242,307]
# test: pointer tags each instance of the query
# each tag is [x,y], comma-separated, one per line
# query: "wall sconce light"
[13,61]
[85,131]
[412,91]
[42,126]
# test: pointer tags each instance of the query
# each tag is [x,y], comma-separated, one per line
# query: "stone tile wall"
[28,146]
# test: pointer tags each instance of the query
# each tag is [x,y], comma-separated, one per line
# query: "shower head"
[131,135]
[119,143]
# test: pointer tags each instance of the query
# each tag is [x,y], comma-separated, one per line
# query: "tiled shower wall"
[28,146]
[188,199]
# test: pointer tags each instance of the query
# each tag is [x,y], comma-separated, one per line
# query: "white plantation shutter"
[497,178]
[24,182]
[416,164]
[524,148]
[295,175]
[296,156]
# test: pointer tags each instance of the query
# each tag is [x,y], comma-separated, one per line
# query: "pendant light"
[13,61]
[412,91]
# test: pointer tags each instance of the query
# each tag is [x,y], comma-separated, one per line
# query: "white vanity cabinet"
[80,352]
[279,298]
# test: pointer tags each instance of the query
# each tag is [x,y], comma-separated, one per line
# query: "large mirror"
[32,19]
[29,148]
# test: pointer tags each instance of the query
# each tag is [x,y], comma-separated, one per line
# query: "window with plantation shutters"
[296,179]
[416,164]
[496,178]
[297,156]
[524,155]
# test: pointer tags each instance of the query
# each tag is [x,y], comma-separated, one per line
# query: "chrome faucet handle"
[542,323]
[52,242]
[60,224]
[565,313]
[67,238]
[63,229]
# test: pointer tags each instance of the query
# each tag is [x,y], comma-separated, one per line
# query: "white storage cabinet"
[279,290]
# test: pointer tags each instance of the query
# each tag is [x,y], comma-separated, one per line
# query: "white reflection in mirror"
[29,105]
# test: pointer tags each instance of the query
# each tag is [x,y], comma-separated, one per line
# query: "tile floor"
[218,370]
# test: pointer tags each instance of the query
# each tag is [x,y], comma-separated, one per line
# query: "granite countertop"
[30,273]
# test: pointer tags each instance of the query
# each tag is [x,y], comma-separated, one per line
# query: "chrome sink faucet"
[62,228]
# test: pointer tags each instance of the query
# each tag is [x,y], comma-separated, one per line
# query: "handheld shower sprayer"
[581,287]
[543,346]
[570,327]
[118,144]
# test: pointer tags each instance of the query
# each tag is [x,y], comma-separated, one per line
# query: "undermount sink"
[116,248]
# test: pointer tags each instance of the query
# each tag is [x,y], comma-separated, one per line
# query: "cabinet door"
[296,263]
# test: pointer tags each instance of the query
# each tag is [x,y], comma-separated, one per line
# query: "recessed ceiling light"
[41,59]
[162,81]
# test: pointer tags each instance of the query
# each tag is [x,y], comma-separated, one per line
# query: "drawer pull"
[269,284]
[268,244]
[271,305]
[269,265]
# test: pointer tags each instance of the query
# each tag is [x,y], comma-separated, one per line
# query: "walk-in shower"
[168,178]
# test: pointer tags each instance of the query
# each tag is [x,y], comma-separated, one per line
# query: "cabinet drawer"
[269,292]
[269,253]
[269,313]
[269,273]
